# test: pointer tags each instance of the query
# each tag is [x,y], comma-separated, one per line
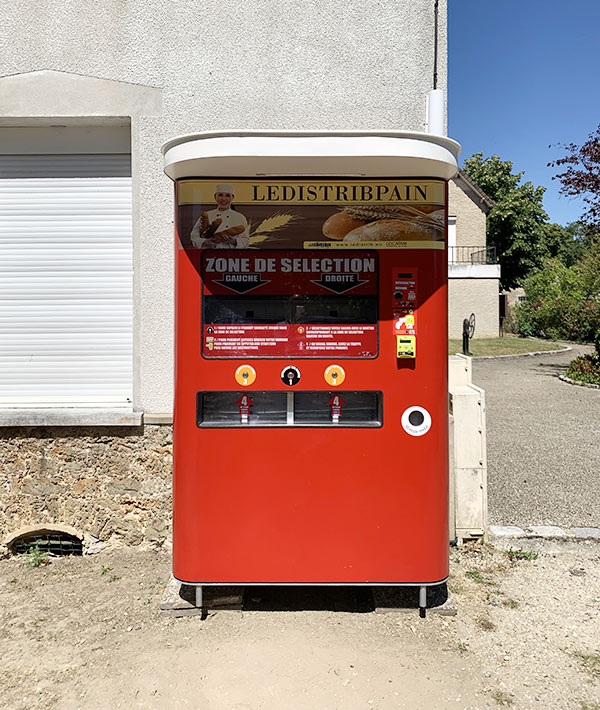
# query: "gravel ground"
[526,636]
[543,442]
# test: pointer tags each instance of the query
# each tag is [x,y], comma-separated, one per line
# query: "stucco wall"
[223,64]
[470,218]
[473,295]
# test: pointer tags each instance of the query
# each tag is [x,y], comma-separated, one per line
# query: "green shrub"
[585,369]
[554,297]
[514,555]
[34,557]
[511,320]
[563,302]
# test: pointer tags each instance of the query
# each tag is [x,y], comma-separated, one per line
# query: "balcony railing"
[472,255]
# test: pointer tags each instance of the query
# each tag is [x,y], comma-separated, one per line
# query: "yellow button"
[245,375]
[334,375]
[406,346]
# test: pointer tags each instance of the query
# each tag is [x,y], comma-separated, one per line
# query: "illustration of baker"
[223,227]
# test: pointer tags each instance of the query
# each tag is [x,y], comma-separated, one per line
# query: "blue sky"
[523,75]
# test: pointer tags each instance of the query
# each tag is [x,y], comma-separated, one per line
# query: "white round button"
[416,421]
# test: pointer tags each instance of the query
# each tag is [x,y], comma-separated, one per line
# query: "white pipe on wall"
[434,116]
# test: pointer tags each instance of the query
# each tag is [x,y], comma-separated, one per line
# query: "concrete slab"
[545,545]
[179,599]
[70,416]
[548,531]
[507,531]
[406,599]
[499,534]
[587,533]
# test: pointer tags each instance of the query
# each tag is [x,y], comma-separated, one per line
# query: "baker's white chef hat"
[225,187]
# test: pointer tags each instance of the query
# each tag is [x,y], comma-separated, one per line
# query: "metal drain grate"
[59,544]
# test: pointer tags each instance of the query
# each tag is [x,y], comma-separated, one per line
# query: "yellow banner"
[314,192]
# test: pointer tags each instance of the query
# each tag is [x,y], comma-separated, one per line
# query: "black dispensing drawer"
[315,408]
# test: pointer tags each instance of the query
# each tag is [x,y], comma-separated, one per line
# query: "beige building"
[86,212]
[473,274]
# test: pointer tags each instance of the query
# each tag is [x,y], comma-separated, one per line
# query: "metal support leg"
[422,601]
[198,602]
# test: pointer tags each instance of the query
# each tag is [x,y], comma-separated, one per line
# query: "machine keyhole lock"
[245,375]
[290,376]
[334,375]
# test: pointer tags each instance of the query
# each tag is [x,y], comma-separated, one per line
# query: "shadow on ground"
[352,599]
[355,599]
[550,369]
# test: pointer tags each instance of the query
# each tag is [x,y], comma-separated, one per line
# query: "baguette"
[391,230]
[340,223]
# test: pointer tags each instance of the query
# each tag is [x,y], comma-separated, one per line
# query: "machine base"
[181,599]
[187,599]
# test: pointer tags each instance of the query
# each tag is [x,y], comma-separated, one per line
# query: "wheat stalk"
[404,213]
[274,223]
[257,239]
[269,225]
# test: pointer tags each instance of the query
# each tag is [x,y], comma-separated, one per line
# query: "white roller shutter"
[65,284]
[51,166]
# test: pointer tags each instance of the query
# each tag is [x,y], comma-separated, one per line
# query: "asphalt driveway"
[543,442]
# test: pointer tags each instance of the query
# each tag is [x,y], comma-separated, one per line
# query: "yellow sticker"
[334,375]
[245,375]
[406,346]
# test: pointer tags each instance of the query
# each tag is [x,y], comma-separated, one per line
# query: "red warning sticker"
[244,403]
[336,403]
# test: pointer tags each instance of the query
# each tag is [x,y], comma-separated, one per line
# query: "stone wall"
[107,483]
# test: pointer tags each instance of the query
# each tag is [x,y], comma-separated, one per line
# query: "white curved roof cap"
[311,153]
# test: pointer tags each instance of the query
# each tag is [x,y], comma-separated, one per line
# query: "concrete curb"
[569,381]
[516,355]
[547,538]
[545,531]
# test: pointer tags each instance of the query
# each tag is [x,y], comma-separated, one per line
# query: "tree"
[515,226]
[554,298]
[581,177]
[567,243]
[590,269]
[590,277]
[564,301]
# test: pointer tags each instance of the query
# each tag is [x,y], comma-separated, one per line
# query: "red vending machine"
[311,405]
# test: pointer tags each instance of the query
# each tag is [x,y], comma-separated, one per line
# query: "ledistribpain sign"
[310,214]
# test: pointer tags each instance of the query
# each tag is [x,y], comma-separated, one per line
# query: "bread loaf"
[339,224]
[390,230]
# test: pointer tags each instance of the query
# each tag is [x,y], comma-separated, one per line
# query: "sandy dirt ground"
[87,633]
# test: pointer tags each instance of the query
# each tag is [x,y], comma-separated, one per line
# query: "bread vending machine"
[311,405]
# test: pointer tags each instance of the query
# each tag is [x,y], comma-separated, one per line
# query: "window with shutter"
[65,267]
